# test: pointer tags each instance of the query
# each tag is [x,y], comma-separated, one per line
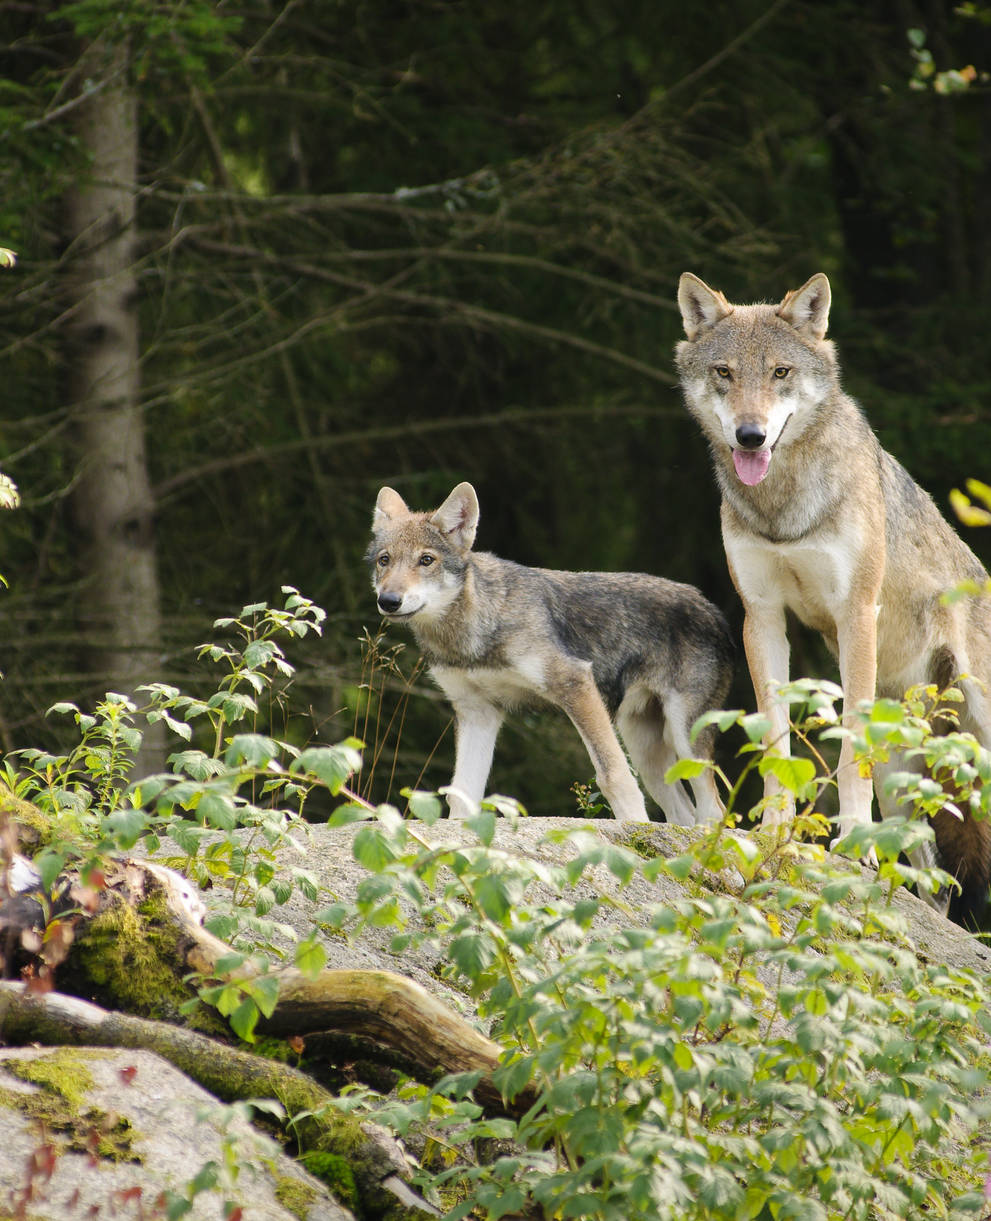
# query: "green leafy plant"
[771,1048]
[767,1045]
[226,807]
[777,1050]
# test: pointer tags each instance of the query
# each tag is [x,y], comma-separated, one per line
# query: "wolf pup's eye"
[782,371]
[383,560]
[722,370]
[426,559]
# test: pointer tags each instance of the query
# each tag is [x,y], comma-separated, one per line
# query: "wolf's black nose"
[390,603]
[750,436]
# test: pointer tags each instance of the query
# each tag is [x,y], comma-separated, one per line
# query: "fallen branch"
[381,1006]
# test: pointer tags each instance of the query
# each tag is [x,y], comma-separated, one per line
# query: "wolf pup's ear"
[700,305]
[457,517]
[388,505]
[807,308]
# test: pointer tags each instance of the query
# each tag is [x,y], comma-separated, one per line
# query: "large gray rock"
[328,855]
[117,1128]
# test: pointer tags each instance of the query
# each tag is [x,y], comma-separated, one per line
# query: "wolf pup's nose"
[750,436]
[390,603]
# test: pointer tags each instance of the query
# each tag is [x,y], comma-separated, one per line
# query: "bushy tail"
[964,850]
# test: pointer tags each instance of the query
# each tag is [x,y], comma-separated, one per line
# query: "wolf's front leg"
[476,727]
[857,639]
[578,695]
[765,641]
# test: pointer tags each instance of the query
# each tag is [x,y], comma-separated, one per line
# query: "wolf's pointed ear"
[700,305]
[457,517]
[388,505]
[807,308]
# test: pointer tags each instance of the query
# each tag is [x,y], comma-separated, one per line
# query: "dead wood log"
[381,1007]
[377,1162]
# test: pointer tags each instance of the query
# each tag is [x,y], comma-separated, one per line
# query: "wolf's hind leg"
[651,755]
[656,731]
[576,693]
[926,855]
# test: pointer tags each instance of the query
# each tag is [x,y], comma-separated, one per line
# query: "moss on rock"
[131,958]
[336,1172]
[295,1196]
[64,1081]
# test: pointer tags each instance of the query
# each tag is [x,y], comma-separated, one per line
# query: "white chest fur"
[812,577]
[504,686]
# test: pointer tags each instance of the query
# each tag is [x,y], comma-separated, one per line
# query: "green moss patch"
[129,958]
[295,1196]
[63,1082]
[336,1172]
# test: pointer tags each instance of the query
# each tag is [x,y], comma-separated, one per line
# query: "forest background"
[272,256]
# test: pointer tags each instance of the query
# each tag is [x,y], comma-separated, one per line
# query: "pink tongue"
[751,464]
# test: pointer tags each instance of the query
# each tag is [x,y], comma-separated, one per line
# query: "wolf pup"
[818,519]
[640,651]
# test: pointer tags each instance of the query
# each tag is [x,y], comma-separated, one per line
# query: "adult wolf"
[818,519]
[643,651]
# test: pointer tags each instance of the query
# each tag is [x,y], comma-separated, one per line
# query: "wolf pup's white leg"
[476,729]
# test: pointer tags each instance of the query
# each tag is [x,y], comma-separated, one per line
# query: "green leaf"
[227,963]
[492,897]
[126,826]
[471,953]
[179,728]
[251,749]
[333,916]
[426,807]
[756,726]
[620,863]
[176,1206]
[244,1019]
[512,1077]
[794,774]
[217,810]
[332,765]
[264,991]
[258,653]
[306,883]
[347,814]
[483,824]
[722,718]
[683,1057]
[282,890]
[49,865]
[684,769]
[680,867]
[371,849]
[311,957]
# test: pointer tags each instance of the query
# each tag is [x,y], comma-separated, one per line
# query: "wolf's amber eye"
[383,560]
[426,559]
[782,371]
[722,370]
